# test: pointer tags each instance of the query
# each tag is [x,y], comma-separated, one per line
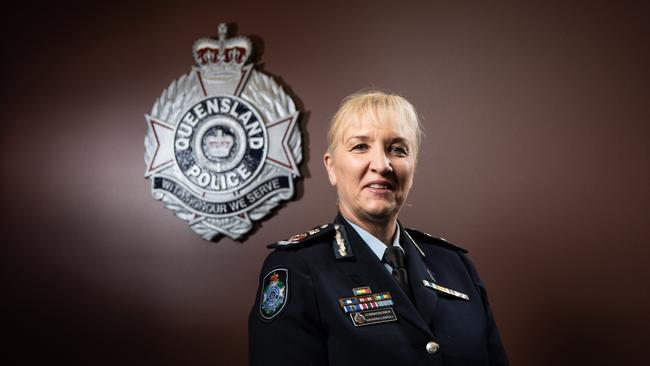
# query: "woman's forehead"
[367,125]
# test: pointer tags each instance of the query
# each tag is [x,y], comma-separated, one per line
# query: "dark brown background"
[536,160]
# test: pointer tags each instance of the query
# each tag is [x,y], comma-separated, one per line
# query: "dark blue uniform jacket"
[324,266]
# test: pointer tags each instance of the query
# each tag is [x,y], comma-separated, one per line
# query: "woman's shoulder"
[302,251]
[306,238]
[426,238]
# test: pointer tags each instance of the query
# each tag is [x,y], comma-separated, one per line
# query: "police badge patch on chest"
[223,146]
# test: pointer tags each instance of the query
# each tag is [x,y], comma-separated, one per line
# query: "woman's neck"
[382,229]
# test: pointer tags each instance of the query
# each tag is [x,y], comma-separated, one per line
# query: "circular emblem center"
[220,144]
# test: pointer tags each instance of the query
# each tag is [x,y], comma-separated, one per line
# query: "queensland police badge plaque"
[223,144]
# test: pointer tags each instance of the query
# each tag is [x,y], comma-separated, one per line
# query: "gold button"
[433,347]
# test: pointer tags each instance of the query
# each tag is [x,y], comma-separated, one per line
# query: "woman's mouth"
[380,187]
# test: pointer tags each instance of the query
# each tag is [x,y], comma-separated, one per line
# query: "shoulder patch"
[302,239]
[275,293]
[428,238]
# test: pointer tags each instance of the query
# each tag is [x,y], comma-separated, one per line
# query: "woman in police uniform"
[364,289]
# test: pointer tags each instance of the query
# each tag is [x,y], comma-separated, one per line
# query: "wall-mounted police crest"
[223,144]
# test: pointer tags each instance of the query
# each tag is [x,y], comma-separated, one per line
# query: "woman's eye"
[399,150]
[360,147]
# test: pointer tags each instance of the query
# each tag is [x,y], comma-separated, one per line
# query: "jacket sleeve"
[496,351]
[294,335]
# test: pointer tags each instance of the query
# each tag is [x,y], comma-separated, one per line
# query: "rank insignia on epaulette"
[306,234]
[298,238]
[275,291]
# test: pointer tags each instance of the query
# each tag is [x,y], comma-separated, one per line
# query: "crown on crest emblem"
[219,145]
[274,277]
[222,58]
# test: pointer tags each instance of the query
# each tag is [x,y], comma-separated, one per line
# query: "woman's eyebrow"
[402,140]
[365,138]
[358,137]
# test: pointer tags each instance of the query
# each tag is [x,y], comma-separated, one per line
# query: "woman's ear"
[328,161]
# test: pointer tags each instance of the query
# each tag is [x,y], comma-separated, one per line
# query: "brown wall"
[536,160]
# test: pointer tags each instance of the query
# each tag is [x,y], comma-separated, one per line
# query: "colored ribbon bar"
[367,306]
[361,290]
[362,299]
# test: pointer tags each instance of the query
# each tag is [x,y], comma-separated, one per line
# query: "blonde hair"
[378,106]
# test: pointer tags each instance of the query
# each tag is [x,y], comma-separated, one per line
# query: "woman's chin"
[380,213]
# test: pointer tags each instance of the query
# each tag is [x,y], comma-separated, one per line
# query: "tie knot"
[394,257]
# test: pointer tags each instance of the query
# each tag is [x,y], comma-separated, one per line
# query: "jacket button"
[433,347]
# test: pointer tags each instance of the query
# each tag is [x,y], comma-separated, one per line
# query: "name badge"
[373,317]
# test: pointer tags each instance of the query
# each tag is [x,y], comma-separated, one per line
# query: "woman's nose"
[379,162]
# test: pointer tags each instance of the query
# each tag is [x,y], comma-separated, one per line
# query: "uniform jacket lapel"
[426,300]
[367,270]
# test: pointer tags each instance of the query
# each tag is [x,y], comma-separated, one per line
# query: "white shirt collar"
[376,245]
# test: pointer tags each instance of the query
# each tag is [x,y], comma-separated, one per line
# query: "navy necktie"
[394,257]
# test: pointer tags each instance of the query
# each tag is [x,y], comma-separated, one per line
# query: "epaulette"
[303,239]
[428,238]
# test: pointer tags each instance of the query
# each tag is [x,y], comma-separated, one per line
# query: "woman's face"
[372,168]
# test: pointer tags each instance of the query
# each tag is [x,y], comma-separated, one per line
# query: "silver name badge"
[223,146]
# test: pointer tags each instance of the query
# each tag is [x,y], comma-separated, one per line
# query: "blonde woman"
[364,289]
